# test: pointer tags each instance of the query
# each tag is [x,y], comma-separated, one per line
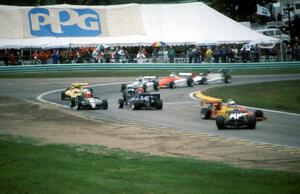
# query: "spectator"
[55,57]
[140,57]
[171,54]
[106,55]
[208,55]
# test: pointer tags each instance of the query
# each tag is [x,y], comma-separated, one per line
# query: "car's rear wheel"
[104,104]
[63,95]
[77,105]
[172,85]
[159,105]
[228,78]
[190,82]
[123,87]
[205,113]
[121,103]
[259,113]
[156,85]
[220,121]
[72,102]
[251,122]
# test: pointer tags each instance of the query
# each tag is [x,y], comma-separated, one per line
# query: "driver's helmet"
[140,89]
[173,74]
[231,102]
[88,94]
[140,79]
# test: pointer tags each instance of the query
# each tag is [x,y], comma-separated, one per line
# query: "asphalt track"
[182,112]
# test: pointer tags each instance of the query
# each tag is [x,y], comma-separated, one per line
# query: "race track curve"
[182,112]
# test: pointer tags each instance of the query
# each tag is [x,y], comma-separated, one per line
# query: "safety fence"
[144,66]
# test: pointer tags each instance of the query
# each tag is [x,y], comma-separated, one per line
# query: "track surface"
[183,113]
[179,112]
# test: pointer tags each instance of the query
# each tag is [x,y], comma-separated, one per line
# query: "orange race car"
[174,80]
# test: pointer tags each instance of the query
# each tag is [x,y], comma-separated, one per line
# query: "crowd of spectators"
[167,54]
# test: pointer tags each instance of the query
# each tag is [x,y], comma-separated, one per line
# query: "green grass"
[28,167]
[135,73]
[279,95]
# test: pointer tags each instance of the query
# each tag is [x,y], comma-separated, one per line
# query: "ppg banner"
[64,22]
[70,21]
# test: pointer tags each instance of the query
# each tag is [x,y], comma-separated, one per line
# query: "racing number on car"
[236,115]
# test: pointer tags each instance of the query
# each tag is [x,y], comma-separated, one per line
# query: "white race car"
[148,83]
[222,76]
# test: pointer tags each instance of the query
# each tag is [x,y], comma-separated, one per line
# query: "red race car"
[174,80]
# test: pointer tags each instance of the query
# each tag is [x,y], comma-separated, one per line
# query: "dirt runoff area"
[52,124]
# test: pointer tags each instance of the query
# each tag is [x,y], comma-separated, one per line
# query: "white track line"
[192,95]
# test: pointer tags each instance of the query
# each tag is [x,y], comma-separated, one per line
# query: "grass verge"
[29,167]
[135,73]
[279,95]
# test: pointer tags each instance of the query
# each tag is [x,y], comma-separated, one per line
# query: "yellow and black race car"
[76,89]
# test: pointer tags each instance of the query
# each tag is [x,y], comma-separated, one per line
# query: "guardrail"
[144,66]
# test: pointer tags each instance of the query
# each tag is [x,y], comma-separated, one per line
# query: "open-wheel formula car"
[174,80]
[148,83]
[74,90]
[85,100]
[141,101]
[222,76]
[230,115]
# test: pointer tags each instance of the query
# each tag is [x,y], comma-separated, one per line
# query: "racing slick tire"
[203,81]
[259,113]
[121,103]
[172,85]
[156,85]
[144,87]
[77,105]
[72,102]
[159,105]
[227,79]
[123,87]
[136,106]
[190,82]
[251,122]
[104,104]
[205,113]
[63,95]
[220,121]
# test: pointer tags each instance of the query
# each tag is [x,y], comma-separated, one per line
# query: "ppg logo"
[64,22]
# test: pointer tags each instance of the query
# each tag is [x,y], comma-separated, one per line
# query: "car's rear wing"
[185,74]
[152,95]
[78,84]
[149,77]
[205,100]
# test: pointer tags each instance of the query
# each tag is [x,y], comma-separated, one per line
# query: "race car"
[141,101]
[74,90]
[230,115]
[222,76]
[85,100]
[174,80]
[149,83]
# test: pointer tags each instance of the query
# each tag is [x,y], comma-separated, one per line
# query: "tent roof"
[175,24]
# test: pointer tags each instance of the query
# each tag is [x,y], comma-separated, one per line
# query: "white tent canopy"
[119,25]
